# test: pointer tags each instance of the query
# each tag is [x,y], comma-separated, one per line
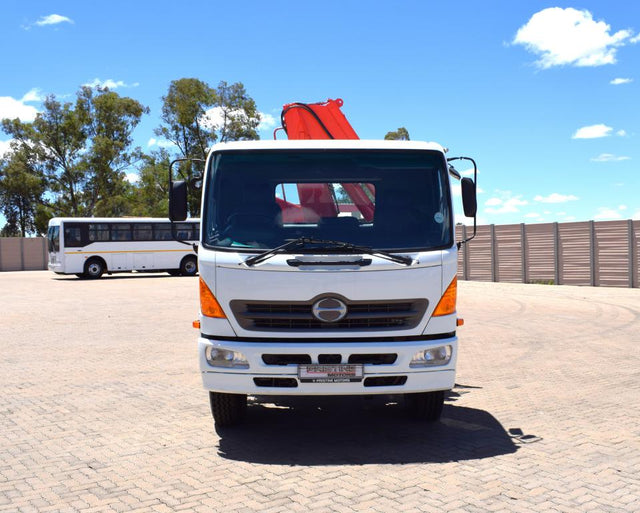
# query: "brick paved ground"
[101,409]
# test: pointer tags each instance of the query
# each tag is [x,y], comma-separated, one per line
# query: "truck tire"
[425,406]
[189,266]
[228,409]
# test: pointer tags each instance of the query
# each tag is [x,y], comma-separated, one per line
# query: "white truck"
[327,267]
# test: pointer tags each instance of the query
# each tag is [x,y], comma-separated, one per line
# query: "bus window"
[184,231]
[98,232]
[73,236]
[142,232]
[162,232]
[120,231]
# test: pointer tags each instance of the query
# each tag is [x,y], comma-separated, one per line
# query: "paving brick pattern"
[102,409]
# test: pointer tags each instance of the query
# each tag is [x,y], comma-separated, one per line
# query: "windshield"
[53,238]
[387,200]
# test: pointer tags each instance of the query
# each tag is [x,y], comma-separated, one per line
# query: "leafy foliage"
[75,157]
[22,186]
[195,116]
[401,134]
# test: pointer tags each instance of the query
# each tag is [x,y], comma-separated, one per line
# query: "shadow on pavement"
[118,276]
[356,431]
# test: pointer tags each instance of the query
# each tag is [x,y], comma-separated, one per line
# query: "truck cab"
[327,267]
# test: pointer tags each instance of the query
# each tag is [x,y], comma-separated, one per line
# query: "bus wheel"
[425,406]
[189,266]
[94,268]
[227,409]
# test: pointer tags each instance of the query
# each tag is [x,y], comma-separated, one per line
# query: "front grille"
[374,359]
[298,316]
[385,381]
[276,382]
[286,359]
[330,358]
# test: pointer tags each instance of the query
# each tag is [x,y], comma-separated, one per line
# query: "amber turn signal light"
[447,304]
[208,303]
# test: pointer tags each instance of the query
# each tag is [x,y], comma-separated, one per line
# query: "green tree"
[195,116]
[111,120]
[401,134]
[183,115]
[149,196]
[57,139]
[84,149]
[238,112]
[22,187]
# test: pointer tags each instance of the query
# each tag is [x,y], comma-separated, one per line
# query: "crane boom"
[323,120]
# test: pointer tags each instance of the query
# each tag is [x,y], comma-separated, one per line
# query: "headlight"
[432,357]
[218,357]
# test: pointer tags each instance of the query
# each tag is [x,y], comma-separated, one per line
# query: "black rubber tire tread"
[97,261]
[228,409]
[183,266]
[425,406]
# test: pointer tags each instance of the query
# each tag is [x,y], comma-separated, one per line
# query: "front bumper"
[261,378]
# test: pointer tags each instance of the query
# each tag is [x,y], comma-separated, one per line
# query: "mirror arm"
[174,235]
[475,181]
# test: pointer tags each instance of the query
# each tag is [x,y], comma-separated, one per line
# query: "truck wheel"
[227,409]
[189,266]
[425,406]
[94,268]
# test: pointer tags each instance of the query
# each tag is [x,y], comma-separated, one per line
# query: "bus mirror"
[469,201]
[178,201]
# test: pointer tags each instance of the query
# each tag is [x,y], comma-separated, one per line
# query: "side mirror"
[469,201]
[178,201]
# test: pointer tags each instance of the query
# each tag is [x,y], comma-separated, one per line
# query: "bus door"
[53,244]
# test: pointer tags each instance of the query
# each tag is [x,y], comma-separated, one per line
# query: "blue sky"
[544,95]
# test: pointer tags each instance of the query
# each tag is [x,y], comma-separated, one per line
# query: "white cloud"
[5,148]
[11,108]
[53,19]
[214,118]
[609,157]
[109,83]
[267,122]
[533,215]
[621,133]
[592,132]
[619,81]
[32,96]
[607,213]
[160,143]
[571,37]
[504,203]
[555,198]
[636,215]
[132,177]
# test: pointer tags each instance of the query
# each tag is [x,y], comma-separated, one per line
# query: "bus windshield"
[387,200]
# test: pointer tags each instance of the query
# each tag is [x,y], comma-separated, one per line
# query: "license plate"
[324,373]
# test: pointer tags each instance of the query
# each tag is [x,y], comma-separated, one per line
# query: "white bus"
[89,247]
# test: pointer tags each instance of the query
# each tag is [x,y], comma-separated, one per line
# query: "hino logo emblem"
[329,309]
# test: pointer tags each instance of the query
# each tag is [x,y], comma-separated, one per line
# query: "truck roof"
[330,144]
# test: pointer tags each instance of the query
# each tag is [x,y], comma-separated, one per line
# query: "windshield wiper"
[301,241]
